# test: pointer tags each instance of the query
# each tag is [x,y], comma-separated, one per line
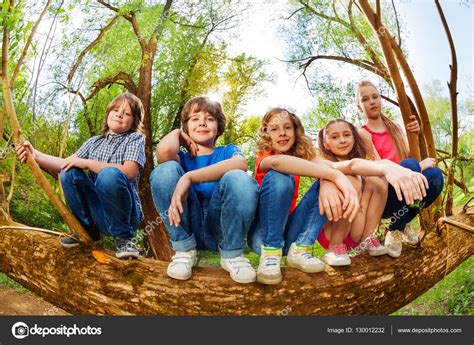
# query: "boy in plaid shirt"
[105,200]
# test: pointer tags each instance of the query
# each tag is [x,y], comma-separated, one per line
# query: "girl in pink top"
[390,143]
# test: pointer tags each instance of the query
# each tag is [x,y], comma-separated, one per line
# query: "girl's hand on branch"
[21,151]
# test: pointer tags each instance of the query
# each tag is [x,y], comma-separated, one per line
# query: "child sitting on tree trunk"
[105,200]
[204,195]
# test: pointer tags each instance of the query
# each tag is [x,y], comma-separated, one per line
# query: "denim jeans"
[398,212]
[107,205]
[220,223]
[274,226]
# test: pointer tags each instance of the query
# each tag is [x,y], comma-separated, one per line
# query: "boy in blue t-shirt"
[204,195]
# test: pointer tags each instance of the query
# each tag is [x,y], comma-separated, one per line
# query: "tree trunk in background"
[74,281]
[452,85]
[383,37]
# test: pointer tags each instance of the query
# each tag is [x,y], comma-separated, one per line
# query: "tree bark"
[452,85]
[68,217]
[383,37]
[74,281]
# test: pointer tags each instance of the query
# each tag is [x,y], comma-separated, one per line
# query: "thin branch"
[28,42]
[90,46]
[164,15]
[294,12]
[113,79]
[109,6]
[398,24]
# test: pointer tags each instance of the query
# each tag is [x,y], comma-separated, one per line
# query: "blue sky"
[425,41]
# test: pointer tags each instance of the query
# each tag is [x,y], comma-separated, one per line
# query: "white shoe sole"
[127,255]
[292,264]
[338,264]
[269,281]
[72,245]
[374,253]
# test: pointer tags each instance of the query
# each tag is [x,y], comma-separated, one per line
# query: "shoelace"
[339,249]
[374,242]
[272,260]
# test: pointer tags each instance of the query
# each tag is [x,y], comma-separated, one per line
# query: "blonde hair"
[203,103]
[302,147]
[138,112]
[392,128]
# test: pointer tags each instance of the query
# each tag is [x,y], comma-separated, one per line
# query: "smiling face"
[339,139]
[120,118]
[369,102]
[202,128]
[281,130]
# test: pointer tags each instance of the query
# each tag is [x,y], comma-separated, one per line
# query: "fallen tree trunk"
[74,281]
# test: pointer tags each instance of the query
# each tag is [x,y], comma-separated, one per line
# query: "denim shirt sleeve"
[135,150]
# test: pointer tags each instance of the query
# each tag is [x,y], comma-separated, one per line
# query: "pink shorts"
[324,242]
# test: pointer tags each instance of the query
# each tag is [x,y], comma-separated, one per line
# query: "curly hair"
[302,147]
[138,112]
[203,103]
[361,148]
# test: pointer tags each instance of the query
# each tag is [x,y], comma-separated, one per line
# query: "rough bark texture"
[74,281]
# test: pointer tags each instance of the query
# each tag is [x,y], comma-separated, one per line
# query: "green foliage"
[6,282]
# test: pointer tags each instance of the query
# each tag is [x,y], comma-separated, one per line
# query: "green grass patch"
[6,282]
[454,295]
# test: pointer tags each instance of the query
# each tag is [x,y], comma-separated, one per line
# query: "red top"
[260,174]
[384,144]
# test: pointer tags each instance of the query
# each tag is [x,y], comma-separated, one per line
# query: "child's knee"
[282,184]
[109,177]
[356,182]
[376,184]
[241,187]
[166,173]
[70,175]
[412,164]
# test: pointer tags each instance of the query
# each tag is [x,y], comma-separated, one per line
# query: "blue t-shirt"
[204,190]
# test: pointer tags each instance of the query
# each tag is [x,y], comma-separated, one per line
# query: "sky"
[425,41]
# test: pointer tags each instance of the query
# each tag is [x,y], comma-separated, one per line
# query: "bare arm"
[317,169]
[210,173]
[129,168]
[52,164]
[411,184]
[168,148]
[297,166]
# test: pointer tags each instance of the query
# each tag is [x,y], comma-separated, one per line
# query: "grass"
[6,282]
[454,295]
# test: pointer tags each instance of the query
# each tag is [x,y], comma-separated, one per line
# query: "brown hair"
[203,103]
[361,148]
[392,128]
[302,147]
[137,112]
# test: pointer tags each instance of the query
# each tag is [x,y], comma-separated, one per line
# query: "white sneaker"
[240,269]
[181,264]
[299,257]
[393,243]
[337,256]
[269,271]
[374,247]
[410,236]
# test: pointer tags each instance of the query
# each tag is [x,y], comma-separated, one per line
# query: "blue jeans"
[221,223]
[398,212]
[274,226]
[107,205]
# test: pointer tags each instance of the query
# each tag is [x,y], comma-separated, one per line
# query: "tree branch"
[28,43]
[90,46]
[113,79]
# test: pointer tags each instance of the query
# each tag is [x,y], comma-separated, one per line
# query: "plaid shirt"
[116,149]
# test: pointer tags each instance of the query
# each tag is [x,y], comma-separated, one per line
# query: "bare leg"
[336,232]
[376,188]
